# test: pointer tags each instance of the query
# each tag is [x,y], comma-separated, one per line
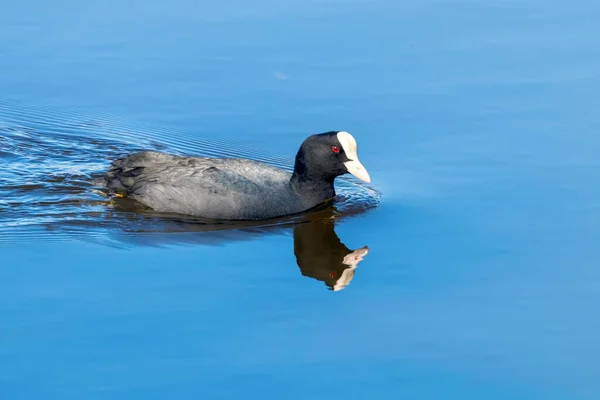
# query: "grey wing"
[125,172]
[211,188]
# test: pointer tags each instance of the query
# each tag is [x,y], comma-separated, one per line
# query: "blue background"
[478,123]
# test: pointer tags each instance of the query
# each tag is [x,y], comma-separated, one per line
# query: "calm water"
[478,124]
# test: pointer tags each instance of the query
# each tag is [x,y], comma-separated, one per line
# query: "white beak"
[357,169]
[353,165]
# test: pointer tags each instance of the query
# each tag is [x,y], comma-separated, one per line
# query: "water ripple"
[49,163]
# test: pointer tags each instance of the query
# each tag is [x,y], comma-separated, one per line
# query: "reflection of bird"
[319,252]
[237,189]
[321,255]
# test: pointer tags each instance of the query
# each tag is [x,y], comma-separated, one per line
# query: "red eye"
[335,149]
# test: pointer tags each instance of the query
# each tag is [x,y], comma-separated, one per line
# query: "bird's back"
[219,188]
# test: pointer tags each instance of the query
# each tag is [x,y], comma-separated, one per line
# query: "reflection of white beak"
[353,165]
[351,259]
[357,169]
[356,256]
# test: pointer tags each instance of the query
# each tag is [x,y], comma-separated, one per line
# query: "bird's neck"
[309,183]
[318,189]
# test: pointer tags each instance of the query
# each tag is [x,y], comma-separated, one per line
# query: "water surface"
[476,122]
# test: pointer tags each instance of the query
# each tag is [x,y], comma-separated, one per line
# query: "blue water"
[476,120]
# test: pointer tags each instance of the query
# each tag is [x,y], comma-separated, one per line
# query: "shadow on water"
[321,255]
[49,164]
[319,252]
